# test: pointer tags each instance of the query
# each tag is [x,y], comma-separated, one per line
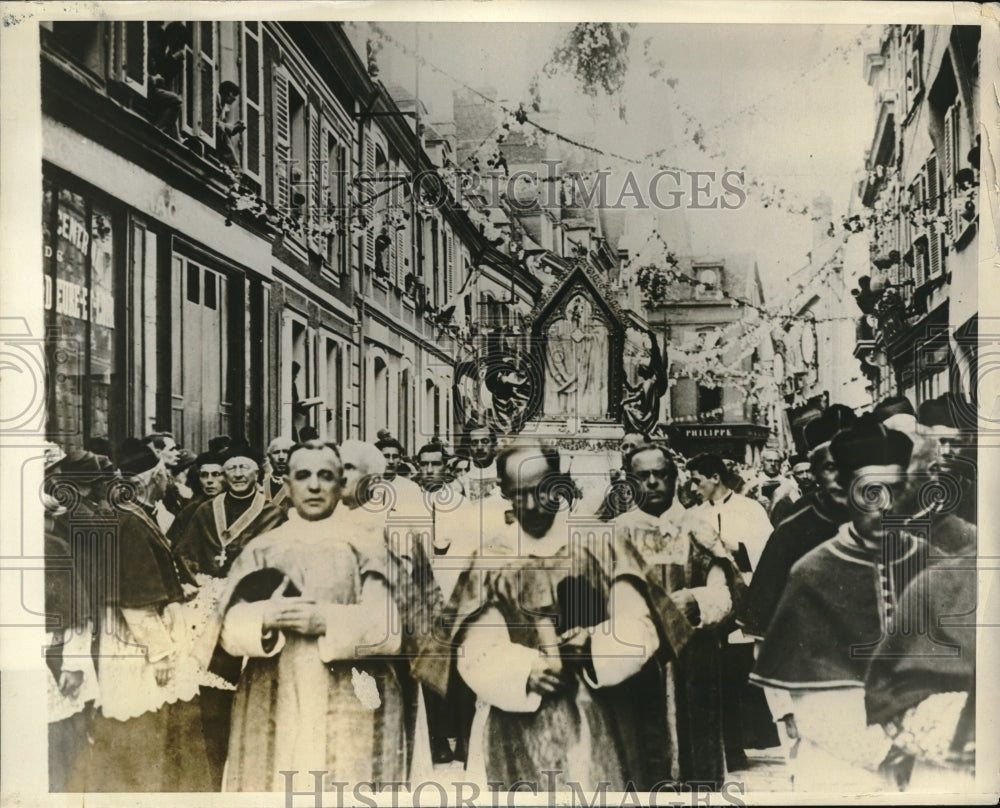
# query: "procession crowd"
[218,619]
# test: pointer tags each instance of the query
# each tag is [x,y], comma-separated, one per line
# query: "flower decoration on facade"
[654,280]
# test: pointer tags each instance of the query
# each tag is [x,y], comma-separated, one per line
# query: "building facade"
[723,396]
[232,240]
[917,330]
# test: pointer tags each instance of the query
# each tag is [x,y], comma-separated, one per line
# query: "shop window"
[142,345]
[709,404]
[80,294]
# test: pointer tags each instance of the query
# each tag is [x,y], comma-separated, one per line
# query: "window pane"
[252,135]
[252,60]
[72,246]
[103,365]
[135,51]
[48,261]
[189,96]
[210,284]
[207,99]
[193,283]
[207,39]
[229,53]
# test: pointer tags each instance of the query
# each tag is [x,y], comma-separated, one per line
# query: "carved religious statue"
[576,363]
[641,407]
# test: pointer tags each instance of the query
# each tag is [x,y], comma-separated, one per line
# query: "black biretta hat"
[869,443]
[834,418]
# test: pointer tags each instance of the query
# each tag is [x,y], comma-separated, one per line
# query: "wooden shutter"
[395,253]
[449,264]
[934,256]
[313,173]
[368,189]
[916,71]
[953,208]
[189,109]
[282,147]
[948,159]
[205,84]
[932,206]
[908,79]
[402,255]
[253,117]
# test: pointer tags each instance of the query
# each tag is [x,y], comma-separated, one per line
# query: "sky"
[786,102]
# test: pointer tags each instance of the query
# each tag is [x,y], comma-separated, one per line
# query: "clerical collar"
[249,495]
[724,500]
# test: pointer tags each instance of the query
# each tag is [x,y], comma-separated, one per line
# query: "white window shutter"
[368,190]
[314,179]
[952,137]
[449,264]
[948,167]
[205,83]
[251,98]
[282,148]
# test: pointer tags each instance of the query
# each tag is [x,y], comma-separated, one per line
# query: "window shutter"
[400,255]
[189,109]
[282,149]
[916,68]
[314,191]
[449,265]
[949,149]
[252,94]
[206,82]
[952,162]
[932,203]
[368,189]
[934,250]
[920,261]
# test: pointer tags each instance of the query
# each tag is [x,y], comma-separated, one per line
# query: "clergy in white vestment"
[310,606]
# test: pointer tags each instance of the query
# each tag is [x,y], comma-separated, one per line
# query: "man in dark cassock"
[921,685]
[221,527]
[82,479]
[565,622]
[148,735]
[841,600]
[683,695]
[205,480]
[72,685]
[275,488]
[211,542]
[942,418]
[816,519]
